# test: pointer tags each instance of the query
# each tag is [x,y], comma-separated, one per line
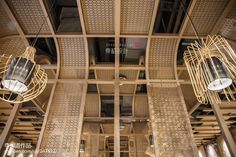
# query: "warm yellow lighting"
[211,66]
[21,78]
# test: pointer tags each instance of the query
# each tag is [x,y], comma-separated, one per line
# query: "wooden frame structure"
[160,59]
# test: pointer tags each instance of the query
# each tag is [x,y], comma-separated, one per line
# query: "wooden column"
[9,125]
[117,4]
[224,130]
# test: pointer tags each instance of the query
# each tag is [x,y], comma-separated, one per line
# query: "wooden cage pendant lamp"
[211,65]
[21,78]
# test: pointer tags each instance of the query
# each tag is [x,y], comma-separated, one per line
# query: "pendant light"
[219,78]
[21,78]
[82,146]
[211,64]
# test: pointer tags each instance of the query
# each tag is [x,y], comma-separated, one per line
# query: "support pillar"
[224,130]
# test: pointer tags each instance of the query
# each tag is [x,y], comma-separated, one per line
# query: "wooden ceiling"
[20,20]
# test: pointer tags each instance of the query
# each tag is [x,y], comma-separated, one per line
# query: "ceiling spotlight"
[122,78]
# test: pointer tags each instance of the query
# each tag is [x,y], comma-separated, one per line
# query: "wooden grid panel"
[7,27]
[61,132]
[130,74]
[105,74]
[92,105]
[136,16]
[140,128]
[229,29]
[13,46]
[73,57]
[170,124]
[141,106]
[90,128]
[98,16]
[127,89]
[205,15]
[161,58]
[141,145]
[108,128]
[106,89]
[30,15]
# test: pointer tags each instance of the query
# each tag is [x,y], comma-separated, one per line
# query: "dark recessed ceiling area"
[64,16]
[170,16]
[45,46]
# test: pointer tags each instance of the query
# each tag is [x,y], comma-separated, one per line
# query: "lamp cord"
[191,21]
[37,35]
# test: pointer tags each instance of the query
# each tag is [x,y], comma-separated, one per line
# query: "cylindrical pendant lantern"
[82,146]
[18,75]
[211,64]
[216,74]
[151,143]
[21,78]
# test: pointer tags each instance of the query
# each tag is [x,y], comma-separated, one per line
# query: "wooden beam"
[117,4]
[9,125]
[224,129]
[16,24]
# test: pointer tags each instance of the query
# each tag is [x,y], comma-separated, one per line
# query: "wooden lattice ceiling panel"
[62,129]
[90,128]
[98,16]
[108,128]
[141,145]
[73,57]
[141,106]
[92,105]
[30,15]
[127,89]
[161,58]
[205,15]
[12,46]
[106,89]
[6,25]
[130,74]
[136,16]
[140,128]
[229,29]
[44,96]
[105,74]
[170,123]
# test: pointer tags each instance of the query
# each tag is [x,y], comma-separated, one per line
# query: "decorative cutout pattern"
[12,46]
[205,15]
[6,25]
[73,58]
[161,58]
[136,16]
[169,120]
[30,15]
[61,135]
[98,16]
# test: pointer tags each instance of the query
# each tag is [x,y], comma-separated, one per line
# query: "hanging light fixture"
[211,64]
[150,148]
[21,78]
[82,146]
